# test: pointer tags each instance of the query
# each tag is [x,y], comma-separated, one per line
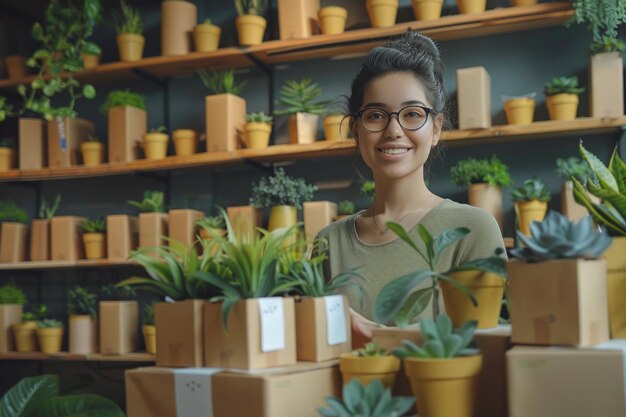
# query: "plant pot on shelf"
[185,141]
[7,158]
[206,37]
[489,198]
[50,339]
[130,46]
[25,336]
[95,245]
[382,13]
[10,315]
[90,60]
[519,110]
[427,9]
[257,135]
[562,106]
[178,19]
[93,153]
[282,216]
[303,128]
[368,368]
[149,338]
[155,145]
[16,66]
[471,6]
[606,93]
[336,127]
[332,20]
[83,334]
[530,211]
[517,3]
[444,387]
[250,29]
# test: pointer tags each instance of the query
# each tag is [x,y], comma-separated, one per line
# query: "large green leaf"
[22,399]
[461,287]
[602,172]
[402,234]
[616,199]
[618,169]
[83,405]
[494,264]
[414,305]
[393,295]
[446,239]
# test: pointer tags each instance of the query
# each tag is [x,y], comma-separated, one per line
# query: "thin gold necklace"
[383,231]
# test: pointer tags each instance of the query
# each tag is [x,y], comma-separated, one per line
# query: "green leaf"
[22,399]
[414,306]
[446,239]
[494,264]
[89,91]
[393,295]
[618,169]
[83,405]
[602,172]
[37,83]
[91,48]
[37,32]
[461,287]
[402,234]
[427,238]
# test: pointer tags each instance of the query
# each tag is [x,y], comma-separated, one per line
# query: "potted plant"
[299,99]
[444,370]
[40,229]
[149,329]
[129,27]
[206,36]
[119,317]
[427,9]
[13,232]
[568,169]
[82,308]
[519,110]
[50,335]
[178,18]
[602,17]
[472,290]
[332,19]
[611,214]
[345,209]
[225,110]
[558,288]
[373,396]
[127,123]
[484,179]
[336,126]
[562,97]
[258,129]
[283,195]
[153,221]
[606,78]
[7,154]
[211,223]
[185,140]
[471,6]
[250,21]
[25,330]
[155,143]
[12,300]
[90,54]
[94,238]
[382,13]
[531,203]
[93,151]
[367,364]
[16,66]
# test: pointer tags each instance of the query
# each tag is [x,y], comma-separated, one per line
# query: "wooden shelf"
[82,263]
[490,22]
[65,356]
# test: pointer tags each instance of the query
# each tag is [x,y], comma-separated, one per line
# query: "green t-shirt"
[381,263]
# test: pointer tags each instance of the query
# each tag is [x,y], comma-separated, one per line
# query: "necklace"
[382,231]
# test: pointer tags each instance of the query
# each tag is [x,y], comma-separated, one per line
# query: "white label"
[272,324]
[193,391]
[335,320]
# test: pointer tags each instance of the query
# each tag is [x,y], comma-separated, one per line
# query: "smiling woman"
[396,112]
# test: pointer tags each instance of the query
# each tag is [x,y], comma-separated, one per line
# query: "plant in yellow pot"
[8,154]
[368,364]
[519,110]
[94,238]
[185,141]
[336,127]
[215,223]
[25,332]
[50,335]
[206,36]
[90,54]
[129,26]
[471,6]
[149,329]
[258,130]
[382,13]
[284,196]
[332,19]
[345,208]
[562,97]
[250,21]
[12,300]
[155,143]
[82,308]
[93,151]
[444,370]
[531,203]
[427,9]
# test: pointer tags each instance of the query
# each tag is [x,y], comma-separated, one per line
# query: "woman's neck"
[398,196]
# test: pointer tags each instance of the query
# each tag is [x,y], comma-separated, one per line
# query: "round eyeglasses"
[375,119]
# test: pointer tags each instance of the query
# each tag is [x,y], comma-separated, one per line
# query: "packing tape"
[193,393]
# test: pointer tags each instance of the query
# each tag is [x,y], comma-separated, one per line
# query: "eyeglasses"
[375,119]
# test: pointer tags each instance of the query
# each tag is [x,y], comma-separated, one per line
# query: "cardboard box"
[492,382]
[225,122]
[606,85]
[298,18]
[182,226]
[152,228]
[65,238]
[571,382]
[295,391]
[474,98]
[302,128]
[40,240]
[559,302]
[313,341]
[245,220]
[119,324]
[317,215]
[123,235]
[10,314]
[32,143]
[242,345]
[616,276]
[64,139]
[127,125]
[13,242]
[179,337]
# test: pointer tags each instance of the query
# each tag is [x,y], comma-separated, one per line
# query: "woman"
[396,112]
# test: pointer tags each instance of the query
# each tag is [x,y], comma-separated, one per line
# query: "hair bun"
[414,43]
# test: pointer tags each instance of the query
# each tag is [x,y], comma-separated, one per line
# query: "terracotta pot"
[185,141]
[530,211]
[444,387]
[257,135]
[471,6]
[24,333]
[50,339]
[206,37]
[427,9]
[519,111]
[93,153]
[282,216]
[382,13]
[7,156]
[336,127]
[489,198]
[487,288]
[83,334]
[178,19]
[562,106]
[332,20]
[250,29]
[90,61]
[524,2]
[16,66]
[130,46]
[155,145]
[149,337]
[367,369]
[95,245]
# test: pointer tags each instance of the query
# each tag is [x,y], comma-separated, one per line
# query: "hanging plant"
[601,16]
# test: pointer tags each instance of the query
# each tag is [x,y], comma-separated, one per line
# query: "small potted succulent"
[562,97]
[345,209]
[155,143]
[149,329]
[12,300]
[332,19]
[129,27]
[185,141]
[93,151]
[368,364]
[250,21]
[25,331]
[50,335]
[258,129]
[206,36]
[531,203]
[569,168]
[82,308]
[94,238]
[90,54]
[519,110]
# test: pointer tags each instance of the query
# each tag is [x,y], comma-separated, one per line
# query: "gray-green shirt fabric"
[381,263]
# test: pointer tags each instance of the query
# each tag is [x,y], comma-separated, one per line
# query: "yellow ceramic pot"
[427,9]
[185,141]
[149,337]
[6,158]
[93,153]
[50,339]
[130,46]
[257,135]
[530,211]
[282,216]
[25,336]
[368,368]
[382,13]
[155,145]
[562,106]
[95,245]
[206,37]
[250,29]
[90,61]
[336,127]
[332,20]
[524,2]
[519,111]
[471,6]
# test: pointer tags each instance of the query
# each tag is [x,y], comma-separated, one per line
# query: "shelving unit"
[83,263]
[65,356]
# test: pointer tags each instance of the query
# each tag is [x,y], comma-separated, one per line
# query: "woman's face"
[396,152]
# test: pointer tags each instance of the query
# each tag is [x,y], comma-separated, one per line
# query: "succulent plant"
[80,301]
[573,167]
[558,238]
[221,82]
[563,85]
[10,294]
[300,97]
[532,189]
[212,222]
[47,210]
[440,340]
[474,171]
[251,7]
[346,207]
[259,117]
[93,226]
[152,202]
[371,401]
[148,315]
[49,324]
[35,314]
[370,349]
[607,44]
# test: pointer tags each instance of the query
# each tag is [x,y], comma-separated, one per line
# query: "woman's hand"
[361,329]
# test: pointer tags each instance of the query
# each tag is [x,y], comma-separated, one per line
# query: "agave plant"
[563,85]
[558,238]
[532,189]
[152,202]
[608,184]
[371,401]
[301,96]
[47,210]
[440,340]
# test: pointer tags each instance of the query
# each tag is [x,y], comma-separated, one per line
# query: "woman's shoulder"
[450,214]
[341,226]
